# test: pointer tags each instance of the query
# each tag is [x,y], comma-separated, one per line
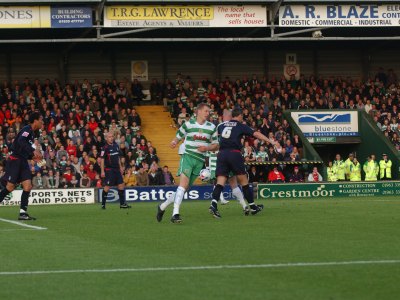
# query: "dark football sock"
[104,198]
[248,195]
[3,193]
[121,196]
[216,194]
[25,200]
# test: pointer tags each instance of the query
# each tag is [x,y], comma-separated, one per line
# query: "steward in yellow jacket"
[385,168]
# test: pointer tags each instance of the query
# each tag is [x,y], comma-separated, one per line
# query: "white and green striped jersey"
[197,135]
[263,155]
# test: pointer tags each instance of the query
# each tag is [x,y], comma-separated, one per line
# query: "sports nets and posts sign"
[327,127]
[52,196]
[328,190]
[185,16]
[362,15]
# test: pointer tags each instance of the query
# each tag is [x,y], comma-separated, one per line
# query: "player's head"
[36,120]
[237,114]
[227,115]
[110,137]
[203,111]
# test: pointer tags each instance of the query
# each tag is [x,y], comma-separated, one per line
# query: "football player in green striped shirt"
[199,136]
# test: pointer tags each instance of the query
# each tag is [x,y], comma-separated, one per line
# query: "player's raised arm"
[262,137]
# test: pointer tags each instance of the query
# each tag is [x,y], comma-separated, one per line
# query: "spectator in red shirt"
[71,148]
[276,176]
[68,174]
[93,124]
[91,173]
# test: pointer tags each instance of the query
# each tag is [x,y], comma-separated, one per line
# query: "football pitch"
[294,249]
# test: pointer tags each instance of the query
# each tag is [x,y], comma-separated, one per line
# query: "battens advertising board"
[52,196]
[45,17]
[362,15]
[160,193]
[186,16]
[327,124]
[328,190]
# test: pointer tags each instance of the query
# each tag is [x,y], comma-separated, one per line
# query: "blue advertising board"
[160,193]
[71,17]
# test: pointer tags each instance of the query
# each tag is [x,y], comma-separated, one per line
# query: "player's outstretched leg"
[180,192]
[104,199]
[163,206]
[122,201]
[23,214]
[254,208]
[222,200]
[214,203]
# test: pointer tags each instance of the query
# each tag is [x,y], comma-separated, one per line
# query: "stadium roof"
[8,2]
[271,32]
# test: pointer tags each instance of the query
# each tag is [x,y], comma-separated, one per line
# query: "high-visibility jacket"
[331,173]
[370,168]
[347,165]
[340,169]
[385,168]
[355,172]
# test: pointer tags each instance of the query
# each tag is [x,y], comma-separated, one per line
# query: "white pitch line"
[23,224]
[221,267]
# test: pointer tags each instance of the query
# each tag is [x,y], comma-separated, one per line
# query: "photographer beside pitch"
[230,159]
[17,165]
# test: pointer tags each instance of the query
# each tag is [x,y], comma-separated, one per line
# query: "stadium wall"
[201,61]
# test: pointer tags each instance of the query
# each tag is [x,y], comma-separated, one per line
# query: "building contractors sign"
[185,16]
[71,17]
[52,196]
[45,17]
[328,190]
[327,124]
[362,15]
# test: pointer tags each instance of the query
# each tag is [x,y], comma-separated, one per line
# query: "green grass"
[84,237]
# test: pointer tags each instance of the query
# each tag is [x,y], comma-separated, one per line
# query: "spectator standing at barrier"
[130,177]
[38,181]
[111,171]
[385,168]
[142,177]
[355,170]
[296,176]
[340,168]
[369,168]
[17,166]
[53,180]
[168,178]
[314,176]
[85,181]
[348,162]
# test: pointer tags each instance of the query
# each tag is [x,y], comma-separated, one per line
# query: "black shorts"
[17,170]
[113,177]
[230,161]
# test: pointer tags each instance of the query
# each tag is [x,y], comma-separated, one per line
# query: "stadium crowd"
[77,116]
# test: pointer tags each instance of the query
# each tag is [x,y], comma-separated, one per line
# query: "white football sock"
[166,203]
[237,193]
[180,191]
